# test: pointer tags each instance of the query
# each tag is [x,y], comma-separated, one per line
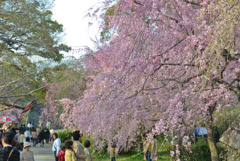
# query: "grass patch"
[129,157]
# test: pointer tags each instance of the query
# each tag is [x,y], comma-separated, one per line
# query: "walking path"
[43,153]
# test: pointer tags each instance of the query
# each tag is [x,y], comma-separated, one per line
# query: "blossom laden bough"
[166,60]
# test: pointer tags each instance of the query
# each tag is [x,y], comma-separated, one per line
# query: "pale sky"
[71,13]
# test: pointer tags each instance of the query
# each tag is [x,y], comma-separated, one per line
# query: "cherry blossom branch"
[176,44]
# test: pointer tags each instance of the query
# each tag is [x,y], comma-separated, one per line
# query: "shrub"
[168,148]
[200,151]
[65,135]
[222,152]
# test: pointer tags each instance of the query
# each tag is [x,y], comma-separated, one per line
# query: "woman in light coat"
[151,150]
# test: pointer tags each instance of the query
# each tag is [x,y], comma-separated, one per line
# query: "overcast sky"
[71,13]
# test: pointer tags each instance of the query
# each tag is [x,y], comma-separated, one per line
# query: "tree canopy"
[28,37]
[26,27]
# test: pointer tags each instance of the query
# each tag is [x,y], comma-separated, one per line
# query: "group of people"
[12,143]
[73,150]
[10,149]
[16,140]
[33,135]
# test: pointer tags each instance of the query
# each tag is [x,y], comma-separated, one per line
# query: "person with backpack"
[61,154]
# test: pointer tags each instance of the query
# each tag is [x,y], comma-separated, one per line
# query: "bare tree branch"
[135,1]
[10,106]
[193,3]
[20,95]
[9,83]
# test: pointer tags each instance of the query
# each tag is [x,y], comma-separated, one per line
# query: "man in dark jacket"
[47,135]
[8,151]
[41,138]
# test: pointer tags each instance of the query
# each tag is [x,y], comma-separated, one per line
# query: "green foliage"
[105,33]
[168,147]
[28,29]
[130,156]
[222,152]
[27,35]
[225,118]
[135,155]
[65,135]
[200,151]
[101,153]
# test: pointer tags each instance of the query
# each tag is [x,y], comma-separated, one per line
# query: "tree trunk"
[212,144]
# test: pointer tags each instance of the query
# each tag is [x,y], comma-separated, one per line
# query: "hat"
[26,144]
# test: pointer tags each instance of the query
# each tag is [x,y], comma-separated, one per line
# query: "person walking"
[41,138]
[21,128]
[151,150]
[87,145]
[29,125]
[51,134]
[24,128]
[21,139]
[112,153]
[17,134]
[27,154]
[47,135]
[48,124]
[56,146]
[69,153]
[34,137]
[77,146]
[8,152]
[38,130]
[27,135]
